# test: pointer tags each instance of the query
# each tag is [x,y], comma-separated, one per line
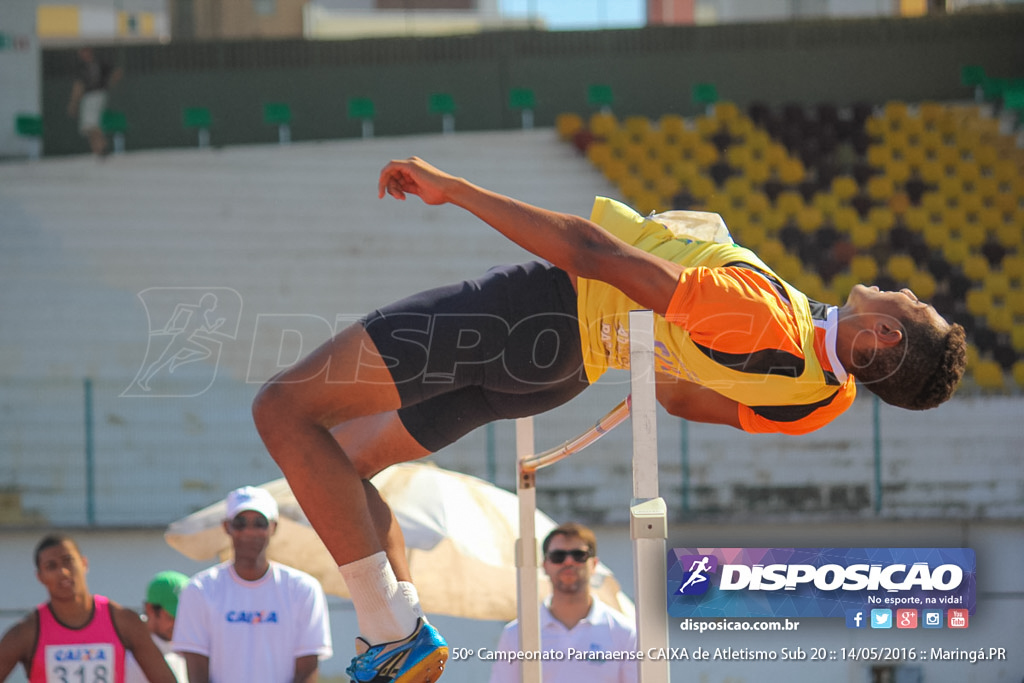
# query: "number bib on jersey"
[85,663]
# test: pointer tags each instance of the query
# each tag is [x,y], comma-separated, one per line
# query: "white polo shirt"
[603,631]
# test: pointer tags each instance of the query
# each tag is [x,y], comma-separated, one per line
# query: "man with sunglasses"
[249,619]
[598,644]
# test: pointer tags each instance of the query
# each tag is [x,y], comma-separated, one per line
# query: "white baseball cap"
[252,498]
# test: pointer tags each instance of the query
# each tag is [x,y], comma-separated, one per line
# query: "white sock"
[412,597]
[382,610]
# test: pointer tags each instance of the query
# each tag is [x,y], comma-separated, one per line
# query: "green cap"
[163,590]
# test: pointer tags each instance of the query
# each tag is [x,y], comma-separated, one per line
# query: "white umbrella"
[460,532]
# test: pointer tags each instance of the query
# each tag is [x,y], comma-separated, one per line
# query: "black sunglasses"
[558,556]
[241,523]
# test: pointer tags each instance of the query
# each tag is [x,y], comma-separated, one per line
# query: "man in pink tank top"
[76,636]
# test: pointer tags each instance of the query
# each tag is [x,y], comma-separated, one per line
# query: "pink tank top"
[93,653]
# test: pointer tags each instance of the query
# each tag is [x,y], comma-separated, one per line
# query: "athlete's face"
[62,571]
[902,305]
[570,575]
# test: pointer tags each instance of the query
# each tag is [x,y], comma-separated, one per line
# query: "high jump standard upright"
[648,519]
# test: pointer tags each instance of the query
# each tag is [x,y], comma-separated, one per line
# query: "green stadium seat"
[524,101]
[198,118]
[363,110]
[444,104]
[601,96]
[30,127]
[115,124]
[279,114]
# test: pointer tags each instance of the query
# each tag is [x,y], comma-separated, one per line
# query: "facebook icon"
[855,618]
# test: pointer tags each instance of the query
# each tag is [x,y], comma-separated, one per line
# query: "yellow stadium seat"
[740,127]
[955,250]
[701,187]
[863,235]
[757,202]
[668,186]
[1004,171]
[880,188]
[875,126]
[968,172]
[896,111]
[809,219]
[618,139]
[603,123]
[788,267]
[1000,319]
[933,202]
[864,268]
[1017,338]
[1018,373]
[997,283]
[1013,266]
[931,171]
[975,267]
[672,125]
[879,155]
[705,154]
[758,171]
[637,126]
[978,301]
[901,267]
[1010,235]
[567,124]
[845,219]
[738,156]
[789,203]
[772,252]
[615,170]
[915,218]
[929,113]
[684,171]
[1014,301]
[988,375]
[915,157]
[882,218]
[775,155]
[935,234]
[987,188]
[842,284]
[922,284]
[599,154]
[773,220]
[826,202]
[792,171]
[707,126]
[737,187]
[898,171]
[844,187]
[986,156]
[973,355]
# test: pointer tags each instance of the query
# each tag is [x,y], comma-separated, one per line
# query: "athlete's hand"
[417,177]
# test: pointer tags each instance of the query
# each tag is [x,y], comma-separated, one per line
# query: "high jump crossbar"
[648,515]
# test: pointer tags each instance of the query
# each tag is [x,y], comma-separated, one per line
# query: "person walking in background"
[94,78]
[77,635]
[249,619]
[573,618]
[161,605]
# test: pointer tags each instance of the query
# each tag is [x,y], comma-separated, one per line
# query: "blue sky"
[579,14]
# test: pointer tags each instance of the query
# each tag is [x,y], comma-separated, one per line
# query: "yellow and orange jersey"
[732,326]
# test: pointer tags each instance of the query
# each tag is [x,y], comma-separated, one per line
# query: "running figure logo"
[188,326]
[696,581]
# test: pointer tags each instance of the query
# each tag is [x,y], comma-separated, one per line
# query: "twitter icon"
[881,618]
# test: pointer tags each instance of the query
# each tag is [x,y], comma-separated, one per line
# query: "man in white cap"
[161,606]
[249,619]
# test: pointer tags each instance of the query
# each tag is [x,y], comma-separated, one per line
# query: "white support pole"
[527,585]
[648,518]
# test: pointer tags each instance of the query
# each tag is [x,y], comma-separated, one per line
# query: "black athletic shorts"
[505,345]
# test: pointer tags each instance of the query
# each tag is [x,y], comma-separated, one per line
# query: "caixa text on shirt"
[251,617]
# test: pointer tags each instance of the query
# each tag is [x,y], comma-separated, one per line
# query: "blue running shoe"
[419,658]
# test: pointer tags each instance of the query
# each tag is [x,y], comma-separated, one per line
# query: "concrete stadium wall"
[650,70]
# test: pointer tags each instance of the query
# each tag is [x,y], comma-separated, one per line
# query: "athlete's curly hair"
[920,372]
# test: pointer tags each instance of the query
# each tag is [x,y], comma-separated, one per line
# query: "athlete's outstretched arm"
[696,403]
[572,243]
